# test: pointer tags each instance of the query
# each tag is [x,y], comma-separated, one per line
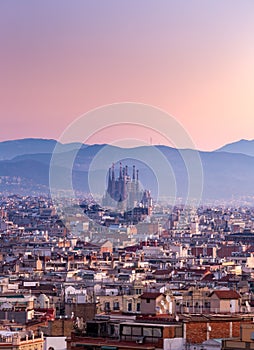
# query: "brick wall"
[60,327]
[197,332]
[87,311]
[236,326]
[221,329]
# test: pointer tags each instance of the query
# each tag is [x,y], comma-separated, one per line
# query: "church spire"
[120,171]
[133,173]
[113,171]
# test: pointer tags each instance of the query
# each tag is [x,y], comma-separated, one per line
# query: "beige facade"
[225,301]
[16,341]
[247,332]
[156,303]
[124,303]
[109,303]
[195,300]
[132,303]
[246,340]
[224,305]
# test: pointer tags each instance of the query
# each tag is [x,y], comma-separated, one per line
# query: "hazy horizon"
[103,143]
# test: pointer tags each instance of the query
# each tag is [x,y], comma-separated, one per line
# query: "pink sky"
[193,59]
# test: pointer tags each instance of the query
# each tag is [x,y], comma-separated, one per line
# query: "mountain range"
[243,146]
[228,173]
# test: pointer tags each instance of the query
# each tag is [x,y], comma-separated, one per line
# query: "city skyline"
[126,175]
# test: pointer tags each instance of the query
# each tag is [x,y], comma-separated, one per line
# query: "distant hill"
[242,146]
[226,175]
[13,148]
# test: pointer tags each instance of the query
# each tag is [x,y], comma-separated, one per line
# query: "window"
[126,330]
[112,330]
[148,301]
[116,305]
[137,331]
[148,332]
[130,306]
[107,306]
[138,307]
[157,332]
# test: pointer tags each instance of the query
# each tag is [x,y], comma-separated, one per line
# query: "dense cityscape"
[126,175]
[180,278]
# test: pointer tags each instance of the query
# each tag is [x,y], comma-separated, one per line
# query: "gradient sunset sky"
[193,59]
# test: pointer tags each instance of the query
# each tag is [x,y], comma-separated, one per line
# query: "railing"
[17,338]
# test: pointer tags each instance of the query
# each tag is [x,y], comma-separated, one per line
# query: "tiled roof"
[226,294]
[208,278]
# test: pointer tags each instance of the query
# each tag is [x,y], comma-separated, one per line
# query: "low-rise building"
[11,340]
